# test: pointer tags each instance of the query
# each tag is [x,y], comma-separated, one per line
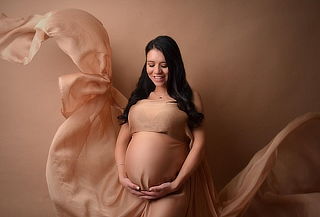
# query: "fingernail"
[138,188]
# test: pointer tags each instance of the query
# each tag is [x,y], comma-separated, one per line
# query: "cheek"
[166,72]
[149,71]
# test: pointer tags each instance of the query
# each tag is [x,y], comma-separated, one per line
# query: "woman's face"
[157,67]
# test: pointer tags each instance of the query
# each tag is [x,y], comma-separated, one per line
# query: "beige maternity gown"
[81,172]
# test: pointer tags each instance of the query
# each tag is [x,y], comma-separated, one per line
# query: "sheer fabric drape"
[280,180]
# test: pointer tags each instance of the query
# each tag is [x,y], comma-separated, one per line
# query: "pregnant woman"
[153,166]
[163,115]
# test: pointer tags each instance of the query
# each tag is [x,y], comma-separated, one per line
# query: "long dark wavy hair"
[177,85]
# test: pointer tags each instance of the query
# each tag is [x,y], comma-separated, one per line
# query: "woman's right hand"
[131,187]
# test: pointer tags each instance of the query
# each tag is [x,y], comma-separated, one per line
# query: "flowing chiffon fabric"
[280,180]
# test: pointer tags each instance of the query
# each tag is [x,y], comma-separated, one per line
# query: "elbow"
[200,150]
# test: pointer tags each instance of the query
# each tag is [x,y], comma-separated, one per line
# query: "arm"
[190,164]
[197,150]
[121,148]
[123,140]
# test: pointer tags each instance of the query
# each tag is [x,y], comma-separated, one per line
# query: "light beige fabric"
[292,187]
[235,197]
[165,118]
[81,172]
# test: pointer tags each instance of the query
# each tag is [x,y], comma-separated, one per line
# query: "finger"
[161,187]
[134,187]
[155,188]
[152,194]
[148,197]
[137,193]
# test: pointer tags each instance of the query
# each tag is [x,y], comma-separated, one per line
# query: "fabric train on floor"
[280,180]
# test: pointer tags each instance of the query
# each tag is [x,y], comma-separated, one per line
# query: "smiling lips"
[159,78]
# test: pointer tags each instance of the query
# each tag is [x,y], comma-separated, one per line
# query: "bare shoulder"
[125,125]
[124,129]
[197,100]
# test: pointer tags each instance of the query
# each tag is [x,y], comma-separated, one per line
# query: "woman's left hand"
[159,191]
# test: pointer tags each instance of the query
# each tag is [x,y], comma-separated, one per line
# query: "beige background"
[255,63]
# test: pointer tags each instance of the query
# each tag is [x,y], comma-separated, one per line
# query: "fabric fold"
[237,194]
[81,171]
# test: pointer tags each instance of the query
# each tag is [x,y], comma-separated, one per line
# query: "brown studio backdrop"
[255,63]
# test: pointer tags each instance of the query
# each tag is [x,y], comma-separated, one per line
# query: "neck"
[160,90]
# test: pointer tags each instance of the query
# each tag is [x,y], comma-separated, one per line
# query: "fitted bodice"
[159,116]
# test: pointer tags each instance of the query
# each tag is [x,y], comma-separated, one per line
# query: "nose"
[157,69]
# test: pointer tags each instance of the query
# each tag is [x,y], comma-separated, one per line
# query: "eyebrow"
[150,61]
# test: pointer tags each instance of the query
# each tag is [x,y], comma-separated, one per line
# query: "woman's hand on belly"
[131,187]
[159,191]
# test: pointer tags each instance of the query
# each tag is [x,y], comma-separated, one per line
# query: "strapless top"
[159,116]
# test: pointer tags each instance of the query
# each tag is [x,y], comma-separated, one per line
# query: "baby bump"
[153,158]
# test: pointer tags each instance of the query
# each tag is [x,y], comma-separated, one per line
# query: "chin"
[159,84]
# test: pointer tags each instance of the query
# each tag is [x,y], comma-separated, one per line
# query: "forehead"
[155,55]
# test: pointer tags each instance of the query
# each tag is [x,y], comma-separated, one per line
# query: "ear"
[197,101]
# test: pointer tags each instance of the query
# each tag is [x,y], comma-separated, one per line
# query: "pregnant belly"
[153,158]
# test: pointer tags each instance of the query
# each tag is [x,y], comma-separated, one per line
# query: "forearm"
[191,163]
[120,160]
[197,151]
[121,148]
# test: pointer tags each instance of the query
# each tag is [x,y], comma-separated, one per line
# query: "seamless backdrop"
[255,64]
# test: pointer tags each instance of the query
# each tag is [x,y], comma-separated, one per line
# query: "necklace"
[159,96]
